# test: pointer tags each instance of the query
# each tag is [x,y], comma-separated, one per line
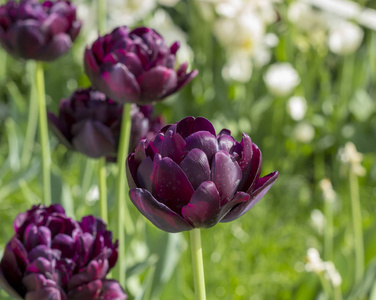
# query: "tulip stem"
[357,224]
[102,188]
[198,264]
[124,218]
[32,119]
[43,132]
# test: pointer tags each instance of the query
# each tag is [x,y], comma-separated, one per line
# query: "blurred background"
[299,78]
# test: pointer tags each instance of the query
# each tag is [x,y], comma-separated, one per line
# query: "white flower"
[318,220]
[238,68]
[281,79]
[304,132]
[345,37]
[314,262]
[327,190]
[93,194]
[305,17]
[352,158]
[297,107]
[249,30]
[128,11]
[332,274]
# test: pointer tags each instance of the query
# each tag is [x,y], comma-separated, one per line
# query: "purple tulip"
[89,123]
[135,66]
[188,177]
[40,31]
[52,256]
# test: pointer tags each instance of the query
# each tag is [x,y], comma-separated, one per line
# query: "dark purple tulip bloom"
[89,122]
[135,66]
[40,31]
[52,256]
[188,177]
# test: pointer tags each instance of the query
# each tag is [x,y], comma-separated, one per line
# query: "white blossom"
[318,220]
[327,190]
[314,262]
[297,107]
[238,68]
[304,132]
[332,274]
[350,157]
[344,37]
[281,79]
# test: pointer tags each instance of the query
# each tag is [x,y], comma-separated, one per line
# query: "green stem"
[337,293]
[328,234]
[32,119]
[198,264]
[124,218]
[102,188]
[325,285]
[43,132]
[101,15]
[357,224]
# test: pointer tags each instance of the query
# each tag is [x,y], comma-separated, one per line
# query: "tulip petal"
[257,194]
[93,139]
[184,127]
[48,293]
[119,84]
[144,173]
[87,291]
[255,170]
[112,290]
[226,175]
[158,213]
[95,270]
[155,83]
[203,140]
[59,131]
[239,197]
[196,167]
[26,38]
[58,46]
[171,185]
[182,81]
[173,146]
[202,124]
[91,66]
[203,209]
[65,244]
[4,284]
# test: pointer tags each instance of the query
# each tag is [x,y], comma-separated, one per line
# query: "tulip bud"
[40,31]
[188,177]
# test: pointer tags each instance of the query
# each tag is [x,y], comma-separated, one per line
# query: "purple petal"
[196,167]
[257,194]
[184,127]
[203,140]
[144,173]
[87,291]
[255,170]
[91,66]
[226,175]
[250,163]
[119,84]
[4,284]
[95,270]
[239,197]
[171,185]
[111,290]
[34,236]
[158,213]
[202,124]
[203,209]
[182,81]
[48,293]
[65,244]
[58,46]
[172,146]
[93,139]
[58,130]
[155,83]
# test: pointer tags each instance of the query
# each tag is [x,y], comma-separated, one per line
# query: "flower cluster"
[135,66]
[188,177]
[52,256]
[40,31]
